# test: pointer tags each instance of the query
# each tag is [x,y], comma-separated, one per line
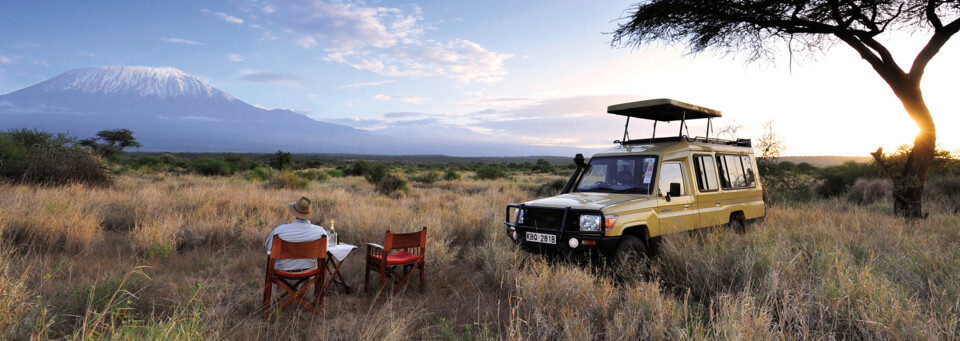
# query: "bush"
[37,157]
[542,166]
[392,183]
[429,177]
[210,166]
[551,188]
[790,188]
[281,160]
[375,173]
[359,168]
[288,180]
[490,173]
[451,175]
[259,173]
[868,191]
[837,179]
[335,173]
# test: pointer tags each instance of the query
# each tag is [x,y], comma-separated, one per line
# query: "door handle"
[666,210]
[718,203]
[686,206]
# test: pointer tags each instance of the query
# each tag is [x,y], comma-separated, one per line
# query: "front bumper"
[559,222]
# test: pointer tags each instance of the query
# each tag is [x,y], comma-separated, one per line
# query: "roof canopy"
[662,109]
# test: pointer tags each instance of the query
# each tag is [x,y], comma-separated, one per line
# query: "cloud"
[228,18]
[5,60]
[407,99]
[268,9]
[386,40]
[235,57]
[202,118]
[270,78]
[181,41]
[403,114]
[358,85]
[576,122]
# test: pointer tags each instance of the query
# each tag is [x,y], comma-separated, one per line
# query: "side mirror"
[674,189]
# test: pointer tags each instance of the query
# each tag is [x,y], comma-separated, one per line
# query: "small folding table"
[337,253]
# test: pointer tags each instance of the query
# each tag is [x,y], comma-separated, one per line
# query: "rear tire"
[631,249]
[737,224]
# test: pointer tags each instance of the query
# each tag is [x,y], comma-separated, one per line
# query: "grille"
[549,219]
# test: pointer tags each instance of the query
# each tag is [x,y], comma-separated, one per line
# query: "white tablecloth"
[340,251]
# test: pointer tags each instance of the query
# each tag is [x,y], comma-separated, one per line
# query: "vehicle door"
[709,199]
[676,209]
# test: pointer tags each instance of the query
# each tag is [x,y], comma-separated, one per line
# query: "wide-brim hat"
[301,208]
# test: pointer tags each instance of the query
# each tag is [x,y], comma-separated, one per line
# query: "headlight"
[590,222]
[519,217]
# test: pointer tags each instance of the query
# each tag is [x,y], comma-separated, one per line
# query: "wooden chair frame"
[315,277]
[404,250]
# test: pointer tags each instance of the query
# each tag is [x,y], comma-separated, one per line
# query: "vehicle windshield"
[619,174]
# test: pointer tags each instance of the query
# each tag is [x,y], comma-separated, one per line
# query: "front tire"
[631,249]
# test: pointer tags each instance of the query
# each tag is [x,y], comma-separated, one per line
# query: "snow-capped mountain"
[132,80]
[169,110]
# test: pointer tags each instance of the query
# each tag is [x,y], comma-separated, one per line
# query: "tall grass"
[822,270]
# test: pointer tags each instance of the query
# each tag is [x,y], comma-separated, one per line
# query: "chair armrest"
[376,246]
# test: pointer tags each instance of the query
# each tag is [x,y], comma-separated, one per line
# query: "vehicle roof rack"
[666,110]
[663,109]
[737,142]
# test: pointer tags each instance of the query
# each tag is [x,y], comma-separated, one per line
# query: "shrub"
[868,191]
[790,188]
[281,160]
[392,183]
[375,173]
[542,166]
[359,168]
[288,180]
[837,179]
[259,173]
[451,175]
[210,166]
[551,188]
[335,173]
[429,177]
[37,157]
[490,173]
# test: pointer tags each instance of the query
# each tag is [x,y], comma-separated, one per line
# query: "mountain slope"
[169,110]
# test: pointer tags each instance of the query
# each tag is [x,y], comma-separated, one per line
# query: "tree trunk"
[908,185]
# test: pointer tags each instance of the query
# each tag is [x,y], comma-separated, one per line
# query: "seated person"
[300,230]
[625,177]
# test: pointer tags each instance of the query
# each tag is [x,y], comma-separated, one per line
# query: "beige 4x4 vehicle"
[622,199]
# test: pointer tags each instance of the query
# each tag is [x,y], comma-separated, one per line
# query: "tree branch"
[933,46]
[932,15]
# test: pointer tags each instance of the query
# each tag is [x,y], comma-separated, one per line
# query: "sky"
[531,72]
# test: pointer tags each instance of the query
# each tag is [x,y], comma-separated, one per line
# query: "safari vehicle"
[621,200]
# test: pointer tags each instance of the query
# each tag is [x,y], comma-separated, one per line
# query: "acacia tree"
[114,142]
[761,28]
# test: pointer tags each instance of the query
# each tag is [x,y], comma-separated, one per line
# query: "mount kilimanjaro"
[169,110]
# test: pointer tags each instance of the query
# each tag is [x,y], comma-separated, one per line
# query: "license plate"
[541,238]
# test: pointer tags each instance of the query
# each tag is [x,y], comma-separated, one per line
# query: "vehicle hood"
[586,200]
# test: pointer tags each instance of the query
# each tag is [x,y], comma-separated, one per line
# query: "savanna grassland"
[164,256]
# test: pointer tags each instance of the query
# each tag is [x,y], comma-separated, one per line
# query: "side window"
[671,172]
[706,173]
[748,170]
[736,171]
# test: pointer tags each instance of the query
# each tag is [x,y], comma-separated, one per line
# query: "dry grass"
[826,270]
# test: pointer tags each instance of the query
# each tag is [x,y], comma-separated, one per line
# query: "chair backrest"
[405,240]
[281,249]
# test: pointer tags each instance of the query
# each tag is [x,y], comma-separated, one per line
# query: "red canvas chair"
[399,250]
[314,277]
